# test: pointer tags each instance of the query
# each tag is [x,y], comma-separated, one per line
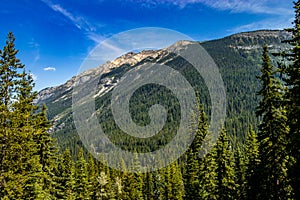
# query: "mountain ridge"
[130,55]
[237,56]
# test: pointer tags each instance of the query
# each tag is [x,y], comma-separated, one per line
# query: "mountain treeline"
[265,166]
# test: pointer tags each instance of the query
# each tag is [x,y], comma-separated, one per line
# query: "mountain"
[237,56]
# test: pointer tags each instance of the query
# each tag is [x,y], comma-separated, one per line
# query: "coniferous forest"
[265,165]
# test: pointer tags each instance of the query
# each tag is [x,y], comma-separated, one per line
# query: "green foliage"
[26,161]
[208,177]
[226,186]
[292,80]
[262,167]
[273,136]
[65,177]
[251,152]
[239,65]
[239,173]
[82,184]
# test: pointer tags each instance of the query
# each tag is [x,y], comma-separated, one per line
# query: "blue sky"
[55,36]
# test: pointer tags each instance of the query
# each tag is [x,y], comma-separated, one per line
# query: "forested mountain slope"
[237,56]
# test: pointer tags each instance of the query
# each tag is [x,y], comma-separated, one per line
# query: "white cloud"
[49,69]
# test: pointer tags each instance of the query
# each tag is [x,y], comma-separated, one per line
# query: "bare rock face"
[59,98]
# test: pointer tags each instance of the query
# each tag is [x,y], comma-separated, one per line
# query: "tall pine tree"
[292,80]
[21,170]
[252,161]
[226,186]
[273,136]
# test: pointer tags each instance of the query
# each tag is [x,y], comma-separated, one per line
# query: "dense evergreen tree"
[82,184]
[174,188]
[226,186]
[23,172]
[91,175]
[133,182]
[207,174]
[192,185]
[208,177]
[65,177]
[292,79]
[191,176]
[251,152]
[261,169]
[273,136]
[47,152]
[239,161]
[102,189]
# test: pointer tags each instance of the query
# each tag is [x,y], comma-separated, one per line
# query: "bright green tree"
[21,171]
[65,177]
[133,182]
[191,176]
[149,187]
[102,189]
[208,177]
[47,152]
[176,182]
[239,161]
[82,184]
[91,175]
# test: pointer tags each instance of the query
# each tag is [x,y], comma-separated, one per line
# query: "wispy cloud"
[49,69]
[276,23]
[277,7]
[97,38]
[33,44]
[36,50]
[249,6]
[88,28]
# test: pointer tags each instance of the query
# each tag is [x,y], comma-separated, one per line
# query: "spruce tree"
[192,185]
[239,161]
[91,175]
[118,188]
[293,97]
[273,135]
[21,172]
[47,152]
[226,186]
[82,185]
[65,177]
[149,187]
[102,188]
[176,182]
[208,177]
[251,151]
[133,182]
[167,183]
[191,175]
